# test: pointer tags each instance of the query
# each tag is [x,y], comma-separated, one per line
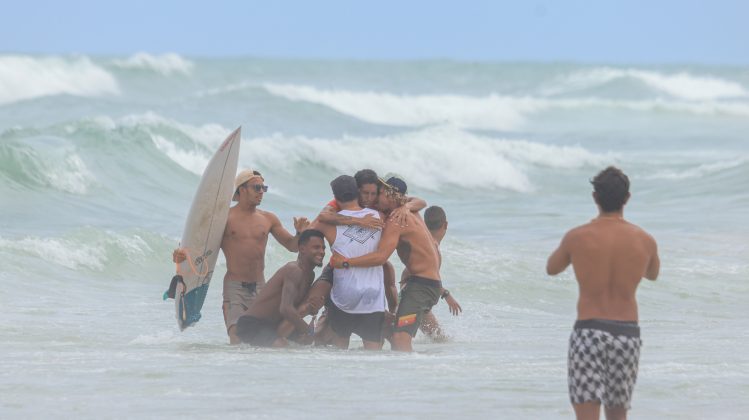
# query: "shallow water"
[99,161]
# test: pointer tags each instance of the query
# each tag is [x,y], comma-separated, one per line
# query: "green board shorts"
[417,298]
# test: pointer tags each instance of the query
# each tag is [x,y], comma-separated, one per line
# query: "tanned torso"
[417,249]
[610,256]
[244,241]
[268,302]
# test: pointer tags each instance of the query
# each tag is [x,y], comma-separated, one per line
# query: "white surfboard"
[204,230]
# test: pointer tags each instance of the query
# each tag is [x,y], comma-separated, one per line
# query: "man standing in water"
[424,286]
[280,299]
[436,221]
[357,298]
[244,242]
[609,256]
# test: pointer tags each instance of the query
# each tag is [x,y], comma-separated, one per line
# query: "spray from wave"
[24,77]
[165,64]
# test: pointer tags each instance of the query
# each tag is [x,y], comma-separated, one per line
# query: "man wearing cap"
[424,286]
[244,242]
[357,297]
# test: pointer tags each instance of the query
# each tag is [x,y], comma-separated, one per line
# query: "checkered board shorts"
[602,367]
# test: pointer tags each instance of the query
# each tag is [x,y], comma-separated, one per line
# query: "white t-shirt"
[358,290]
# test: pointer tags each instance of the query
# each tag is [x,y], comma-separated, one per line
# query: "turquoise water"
[100,156]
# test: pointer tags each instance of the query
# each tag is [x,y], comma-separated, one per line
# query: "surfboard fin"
[171,292]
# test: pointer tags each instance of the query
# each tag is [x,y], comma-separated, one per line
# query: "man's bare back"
[610,256]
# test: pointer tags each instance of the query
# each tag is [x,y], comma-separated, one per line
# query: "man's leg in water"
[431,327]
[587,411]
[401,341]
[615,413]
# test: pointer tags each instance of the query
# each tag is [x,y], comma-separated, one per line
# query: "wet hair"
[612,189]
[310,233]
[344,188]
[435,217]
[365,176]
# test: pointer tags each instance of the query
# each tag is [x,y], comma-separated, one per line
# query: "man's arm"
[413,205]
[289,295]
[329,216]
[283,236]
[559,259]
[388,243]
[654,267]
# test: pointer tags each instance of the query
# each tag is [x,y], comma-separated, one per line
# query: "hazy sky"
[625,31]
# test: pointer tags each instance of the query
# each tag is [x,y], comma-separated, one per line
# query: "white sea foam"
[698,171]
[92,253]
[61,252]
[482,162]
[680,85]
[191,157]
[493,112]
[165,64]
[25,77]
[192,160]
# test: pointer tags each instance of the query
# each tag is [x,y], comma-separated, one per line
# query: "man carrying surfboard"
[244,243]
[610,256]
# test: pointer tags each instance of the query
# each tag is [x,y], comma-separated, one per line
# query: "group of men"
[368,219]
[371,217]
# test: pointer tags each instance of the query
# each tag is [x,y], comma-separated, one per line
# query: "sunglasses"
[258,187]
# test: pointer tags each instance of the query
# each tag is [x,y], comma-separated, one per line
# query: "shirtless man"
[424,287]
[280,299]
[609,256]
[244,242]
[436,221]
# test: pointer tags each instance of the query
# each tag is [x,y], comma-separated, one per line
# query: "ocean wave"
[165,64]
[24,77]
[680,85]
[699,171]
[46,162]
[428,158]
[87,249]
[493,112]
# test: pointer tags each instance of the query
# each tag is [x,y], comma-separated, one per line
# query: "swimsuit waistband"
[627,328]
[425,281]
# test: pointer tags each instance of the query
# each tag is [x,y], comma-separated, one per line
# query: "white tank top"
[358,290]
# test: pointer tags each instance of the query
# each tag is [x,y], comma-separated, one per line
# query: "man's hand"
[306,339]
[336,260]
[300,224]
[179,255]
[453,304]
[314,305]
[368,221]
[399,216]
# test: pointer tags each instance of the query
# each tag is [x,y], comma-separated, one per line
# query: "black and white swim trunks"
[603,361]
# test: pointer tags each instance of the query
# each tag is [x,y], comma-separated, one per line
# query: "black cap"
[396,183]
[344,188]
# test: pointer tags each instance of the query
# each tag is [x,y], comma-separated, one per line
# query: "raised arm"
[413,205]
[560,258]
[329,216]
[388,243]
[286,239]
